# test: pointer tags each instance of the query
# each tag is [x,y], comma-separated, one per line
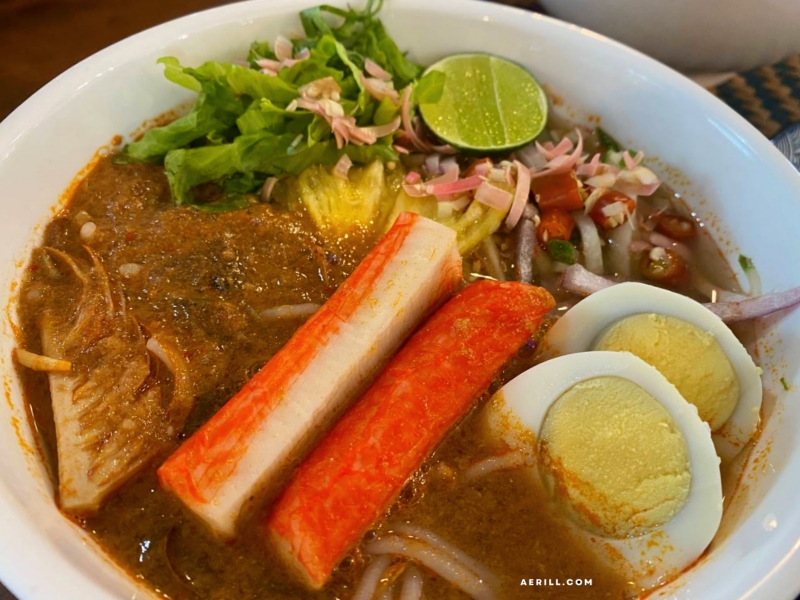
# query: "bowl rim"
[777,579]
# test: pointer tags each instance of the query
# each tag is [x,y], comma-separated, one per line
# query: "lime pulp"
[487,104]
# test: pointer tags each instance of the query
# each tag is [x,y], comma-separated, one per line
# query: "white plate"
[740,184]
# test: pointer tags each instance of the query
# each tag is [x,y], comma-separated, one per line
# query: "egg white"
[657,556]
[580,328]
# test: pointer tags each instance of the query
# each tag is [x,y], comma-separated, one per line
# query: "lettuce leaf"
[244,126]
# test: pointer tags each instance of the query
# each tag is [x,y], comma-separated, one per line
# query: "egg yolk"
[690,358]
[613,458]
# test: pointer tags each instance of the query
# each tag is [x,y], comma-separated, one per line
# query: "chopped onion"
[448,177]
[283,48]
[510,460]
[88,230]
[268,64]
[603,180]
[521,195]
[531,157]
[372,577]
[289,311]
[374,69]
[432,163]
[408,128]
[342,166]
[564,146]
[379,131]
[37,362]
[493,196]
[266,190]
[661,240]
[448,163]
[466,184]
[590,169]
[380,89]
[639,246]
[639,181]
[579,280]
[590,240]
[412,584]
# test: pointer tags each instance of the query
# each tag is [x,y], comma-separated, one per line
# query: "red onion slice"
[374,69]
[579,280]
[521,195]
[493,196]
[731,312]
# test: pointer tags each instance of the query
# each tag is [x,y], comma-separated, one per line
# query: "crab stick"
[353,476]
[330,359]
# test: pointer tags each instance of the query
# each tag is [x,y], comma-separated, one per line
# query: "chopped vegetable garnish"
[561,251]
[555,224]
[753,278]
[300,103]
[784,384]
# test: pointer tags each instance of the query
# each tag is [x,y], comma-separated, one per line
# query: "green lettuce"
[244,128]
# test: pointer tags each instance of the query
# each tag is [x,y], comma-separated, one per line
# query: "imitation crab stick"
[359,468]
[329,360]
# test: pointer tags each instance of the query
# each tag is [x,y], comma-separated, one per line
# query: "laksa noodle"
[356,328]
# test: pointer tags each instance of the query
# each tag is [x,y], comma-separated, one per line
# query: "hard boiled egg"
[690,345]
[621,454]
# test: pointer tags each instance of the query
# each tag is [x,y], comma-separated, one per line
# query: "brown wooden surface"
[41,38]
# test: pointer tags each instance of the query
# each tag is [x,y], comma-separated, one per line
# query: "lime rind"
[488,104]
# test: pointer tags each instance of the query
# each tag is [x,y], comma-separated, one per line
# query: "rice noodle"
[37,362]
[412,584]
[619,256]
[510,460]
[289,311]
[590,240]
[437,561]
[493,263]
[387,593]
[156,349]
[751,308]
[371,578]
[580,281]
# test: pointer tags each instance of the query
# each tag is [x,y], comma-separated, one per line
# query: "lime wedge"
[488,104]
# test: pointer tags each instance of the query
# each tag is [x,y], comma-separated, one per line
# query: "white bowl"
[694,35]
[737,179]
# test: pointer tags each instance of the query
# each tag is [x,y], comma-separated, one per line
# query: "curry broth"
[204,279]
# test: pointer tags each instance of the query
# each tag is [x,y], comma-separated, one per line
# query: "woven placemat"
[768,96]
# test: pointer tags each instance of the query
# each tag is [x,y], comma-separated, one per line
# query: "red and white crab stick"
[353,476]
[412,270]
